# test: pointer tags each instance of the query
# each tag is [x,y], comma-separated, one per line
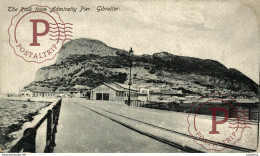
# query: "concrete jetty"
[107,126]
[81,130]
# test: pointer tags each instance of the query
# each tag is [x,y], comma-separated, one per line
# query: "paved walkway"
[88,126]
[81,130]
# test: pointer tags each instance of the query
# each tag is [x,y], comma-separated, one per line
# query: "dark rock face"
[91,62]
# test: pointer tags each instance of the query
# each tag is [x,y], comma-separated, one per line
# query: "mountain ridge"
[90,62]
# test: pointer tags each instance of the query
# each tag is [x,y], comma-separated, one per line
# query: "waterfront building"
[26,93]
[37,93]
[43,94]
[112,92]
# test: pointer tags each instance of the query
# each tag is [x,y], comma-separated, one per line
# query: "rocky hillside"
[91,62]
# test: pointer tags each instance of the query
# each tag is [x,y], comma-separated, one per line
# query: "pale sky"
[226,31]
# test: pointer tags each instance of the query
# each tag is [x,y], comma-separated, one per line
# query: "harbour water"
[13,114]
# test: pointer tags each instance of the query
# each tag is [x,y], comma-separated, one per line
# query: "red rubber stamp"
[37,33]
[217,123]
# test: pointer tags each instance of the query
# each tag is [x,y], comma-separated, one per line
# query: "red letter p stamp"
[217,123]
[37,34]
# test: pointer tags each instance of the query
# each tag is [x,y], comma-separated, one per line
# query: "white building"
[112,92]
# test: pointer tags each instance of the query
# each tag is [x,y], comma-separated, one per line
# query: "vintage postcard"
[151,76]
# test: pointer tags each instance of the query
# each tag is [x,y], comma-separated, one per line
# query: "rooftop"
[113,86]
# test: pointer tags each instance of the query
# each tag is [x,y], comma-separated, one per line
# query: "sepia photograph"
[150,76]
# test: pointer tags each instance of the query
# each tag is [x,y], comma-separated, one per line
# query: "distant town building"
[78,94]
[81,87]
[61,93]
[73,93]
[144,94]
[154,96]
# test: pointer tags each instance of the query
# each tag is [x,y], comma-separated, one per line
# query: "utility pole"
[130,76]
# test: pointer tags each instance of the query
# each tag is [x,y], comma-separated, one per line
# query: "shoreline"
[30,99]
[9,134]
[7,137]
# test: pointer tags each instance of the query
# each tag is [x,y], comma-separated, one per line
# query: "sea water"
[13,114]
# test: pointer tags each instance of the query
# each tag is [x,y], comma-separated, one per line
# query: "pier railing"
[28,142]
